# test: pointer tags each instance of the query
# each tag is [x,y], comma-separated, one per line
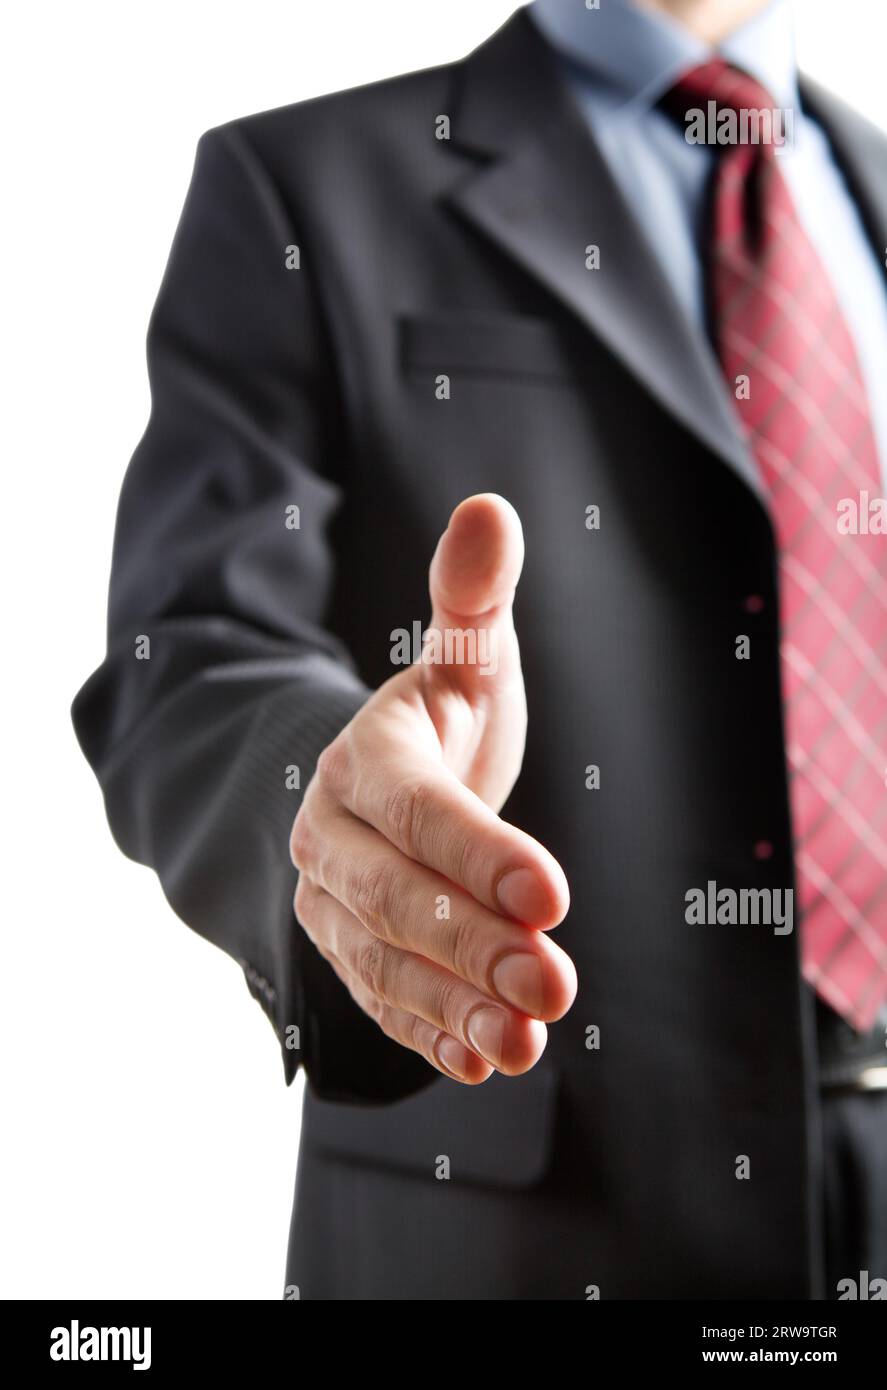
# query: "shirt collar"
[638,55]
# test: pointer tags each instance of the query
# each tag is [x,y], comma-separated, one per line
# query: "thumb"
[472,579]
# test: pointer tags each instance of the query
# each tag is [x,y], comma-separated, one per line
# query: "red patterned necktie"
[777,323]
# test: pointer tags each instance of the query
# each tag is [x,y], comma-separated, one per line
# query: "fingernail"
[518,979]
[486,1028]
[452,1056]
[522,896]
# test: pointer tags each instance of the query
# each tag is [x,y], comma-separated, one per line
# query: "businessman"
[578,271]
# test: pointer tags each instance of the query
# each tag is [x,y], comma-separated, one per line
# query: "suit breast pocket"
[496,1135]
[491,344]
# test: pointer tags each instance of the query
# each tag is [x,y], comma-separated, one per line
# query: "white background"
[148,1141]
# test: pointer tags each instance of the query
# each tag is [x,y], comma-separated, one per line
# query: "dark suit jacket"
[612,1166]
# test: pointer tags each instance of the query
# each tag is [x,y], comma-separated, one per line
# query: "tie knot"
[717,103]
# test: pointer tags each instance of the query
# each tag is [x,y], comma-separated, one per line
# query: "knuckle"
[475,863]
[371,967]
[374,898]
[463,946]
[304,900]
[326,952]
[302,842]
[450,1005]
[333,765]
[408,808]
[414,1036]
[325,949]
[338,969]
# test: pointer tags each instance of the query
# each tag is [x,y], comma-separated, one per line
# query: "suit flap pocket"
[498,1134]
[509,344]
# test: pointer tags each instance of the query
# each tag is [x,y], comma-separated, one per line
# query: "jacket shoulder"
[378,111]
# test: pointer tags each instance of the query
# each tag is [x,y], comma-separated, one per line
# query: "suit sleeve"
[220,686]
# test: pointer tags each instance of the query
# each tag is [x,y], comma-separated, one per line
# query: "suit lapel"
[544,193]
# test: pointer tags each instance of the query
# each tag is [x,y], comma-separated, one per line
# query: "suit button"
[763,850]
[753,603]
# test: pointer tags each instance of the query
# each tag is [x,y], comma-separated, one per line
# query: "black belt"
[850,1061]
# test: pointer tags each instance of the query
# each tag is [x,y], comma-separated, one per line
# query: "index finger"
[430,816]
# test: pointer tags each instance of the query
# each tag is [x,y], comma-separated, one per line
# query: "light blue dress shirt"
[621,60]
